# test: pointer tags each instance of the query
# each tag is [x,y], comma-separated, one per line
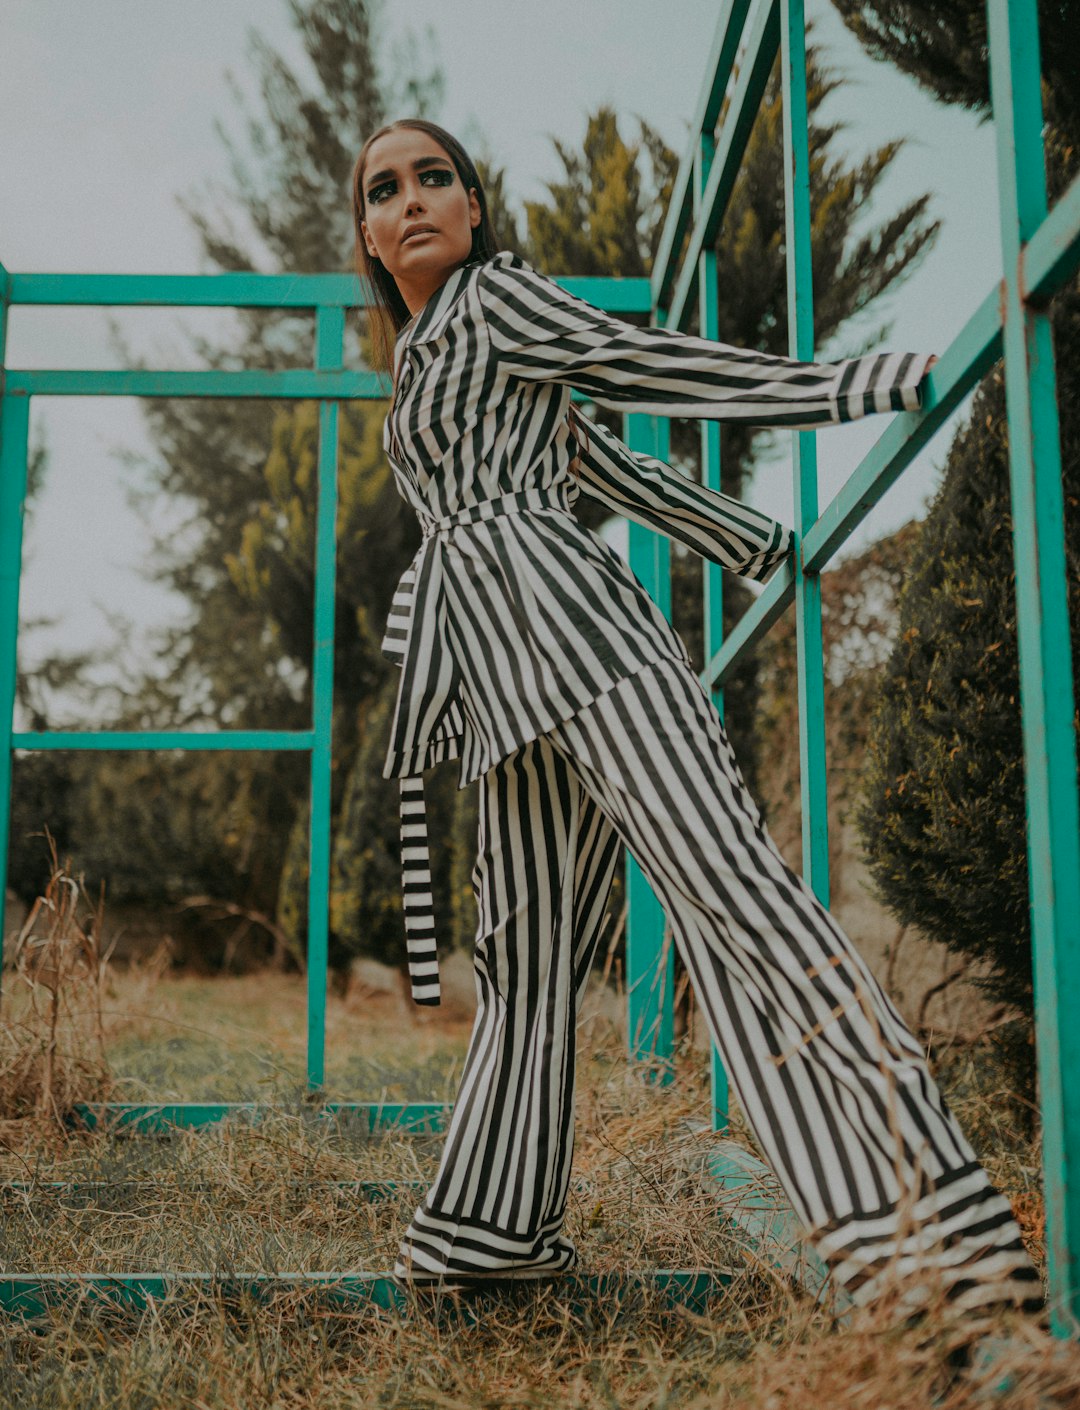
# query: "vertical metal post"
[650,960]
[1046,680]
[709,325]
[811,676]
[329,351]
[14,436]
[5,744]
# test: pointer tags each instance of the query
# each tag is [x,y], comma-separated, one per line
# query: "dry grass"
[260,1197]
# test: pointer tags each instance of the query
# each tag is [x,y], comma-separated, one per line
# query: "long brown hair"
[388,311]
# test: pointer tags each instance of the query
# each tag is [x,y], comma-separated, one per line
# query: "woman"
[530,651]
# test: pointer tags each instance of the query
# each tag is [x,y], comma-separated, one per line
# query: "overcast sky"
[108,114]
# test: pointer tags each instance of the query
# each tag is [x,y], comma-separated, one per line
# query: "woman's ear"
[475,213]
[368,241]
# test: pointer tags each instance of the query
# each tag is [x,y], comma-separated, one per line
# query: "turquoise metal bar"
[1052,255]
[159,1116]
[961,366]
[329,354]
[30,1295]
[265,290]
[800,301]
[291,384]
[14,433]
[163,739]
[12,496]
[763,40]
[755,622]
[286,383]
[1046,676]
[231,290]
[749,1198]
[5,298]
[686,189]
[713,584]
[650,960]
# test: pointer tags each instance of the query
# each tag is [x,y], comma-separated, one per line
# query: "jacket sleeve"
[540,332]
[653,494]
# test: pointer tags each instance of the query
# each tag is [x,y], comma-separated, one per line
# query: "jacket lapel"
[429,322]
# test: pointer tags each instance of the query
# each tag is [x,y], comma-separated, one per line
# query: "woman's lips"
[417,235]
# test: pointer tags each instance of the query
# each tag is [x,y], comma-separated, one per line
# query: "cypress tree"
[943,817]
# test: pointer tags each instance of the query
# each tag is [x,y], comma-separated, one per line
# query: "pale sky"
[108,116]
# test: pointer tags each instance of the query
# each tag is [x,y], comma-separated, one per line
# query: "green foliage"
[604,218]
[365,887]
[943,815]
[41,796]
[944,48]
[858,612]
[944,812]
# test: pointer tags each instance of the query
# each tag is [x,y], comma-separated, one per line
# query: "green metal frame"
[329,295]
[1041,252]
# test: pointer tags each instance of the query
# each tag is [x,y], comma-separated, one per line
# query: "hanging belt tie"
[417,900]
[416,893]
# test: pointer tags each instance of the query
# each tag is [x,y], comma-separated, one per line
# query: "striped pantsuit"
[828,1076]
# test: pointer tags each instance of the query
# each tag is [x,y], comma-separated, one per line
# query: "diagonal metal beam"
[1052,255]
[763,43]
[706,115]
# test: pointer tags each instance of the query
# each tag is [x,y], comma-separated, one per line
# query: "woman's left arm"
[654,494]
[541,333]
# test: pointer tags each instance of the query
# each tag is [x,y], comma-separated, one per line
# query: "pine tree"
[944,48]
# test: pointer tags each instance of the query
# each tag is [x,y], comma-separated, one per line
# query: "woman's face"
[418,217]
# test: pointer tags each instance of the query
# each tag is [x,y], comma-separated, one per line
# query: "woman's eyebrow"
[418,165]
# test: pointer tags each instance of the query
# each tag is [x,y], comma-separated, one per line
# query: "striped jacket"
[512,615]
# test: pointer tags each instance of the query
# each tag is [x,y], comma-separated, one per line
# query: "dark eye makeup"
[442,177]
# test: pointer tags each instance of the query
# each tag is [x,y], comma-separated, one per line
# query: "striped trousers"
[829,1077]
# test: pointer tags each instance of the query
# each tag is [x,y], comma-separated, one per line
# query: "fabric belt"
[416,892]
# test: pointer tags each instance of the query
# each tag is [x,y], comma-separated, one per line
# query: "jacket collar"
[428,322]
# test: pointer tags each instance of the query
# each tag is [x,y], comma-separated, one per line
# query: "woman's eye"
[377,194]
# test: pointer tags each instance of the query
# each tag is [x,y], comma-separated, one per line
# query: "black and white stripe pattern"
[540,333]
[513,616]
[831,1080]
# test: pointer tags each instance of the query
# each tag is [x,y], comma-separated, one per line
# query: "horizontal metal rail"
[298,291]
[30,1295]
[148,1116]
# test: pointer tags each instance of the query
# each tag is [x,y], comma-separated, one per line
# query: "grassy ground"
[257,1198]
